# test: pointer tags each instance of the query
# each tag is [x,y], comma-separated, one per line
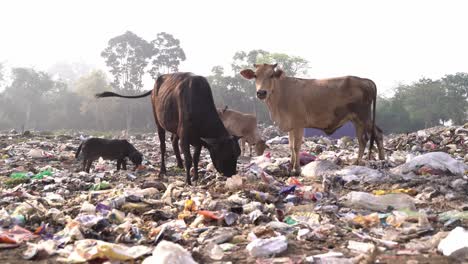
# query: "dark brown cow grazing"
[183,105]
[325,104]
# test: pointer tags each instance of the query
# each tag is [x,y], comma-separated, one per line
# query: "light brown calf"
[245,126]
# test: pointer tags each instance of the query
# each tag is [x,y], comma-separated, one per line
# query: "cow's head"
[260,147]
[265,76]
[224,153]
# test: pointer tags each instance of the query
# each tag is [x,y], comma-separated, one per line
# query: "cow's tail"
[78,150]
[111,94]
[374,100]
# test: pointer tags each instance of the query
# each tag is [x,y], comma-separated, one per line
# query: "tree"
[87,86]
[456,101]
[167,55]
[425,101]
[27,91]
[127,55]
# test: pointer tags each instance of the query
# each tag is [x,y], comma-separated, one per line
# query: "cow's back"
[317,103]
[239,124]
[186,98]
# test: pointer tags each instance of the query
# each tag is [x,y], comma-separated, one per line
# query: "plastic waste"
[41,174]
[209,215]
[434,160]
[15,235]
[267,247]
[214,251]
[20,175]
[453,215]
[89,249]
[169,253]
[234,182]
[306,158]
[263,197]
[318,169]
[100,186]
[43,248]
[361,247]
[361,174]
[367,220]
[455,244]
[411,192]
[379,203]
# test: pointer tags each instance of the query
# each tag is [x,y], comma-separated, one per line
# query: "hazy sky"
[387,41]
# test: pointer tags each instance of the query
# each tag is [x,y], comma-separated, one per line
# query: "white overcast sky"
[387,41]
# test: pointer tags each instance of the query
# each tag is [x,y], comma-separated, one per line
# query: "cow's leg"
[162,144]
[119,163]
[184,143]
[84,163]
[379,141]
[291,148]
[175,147]
[250,149]
[361,137]
[124,164]
[88,165]
[298,134]
[242,140]
[196,159]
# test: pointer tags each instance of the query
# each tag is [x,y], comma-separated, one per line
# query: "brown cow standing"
[245,126]
[183,105]
[326,104]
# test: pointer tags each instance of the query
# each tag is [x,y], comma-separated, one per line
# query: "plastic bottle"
[398,201]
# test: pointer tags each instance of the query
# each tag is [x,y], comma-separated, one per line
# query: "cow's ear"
[248,74]
[278,73]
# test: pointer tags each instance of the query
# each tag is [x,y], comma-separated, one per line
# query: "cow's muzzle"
[261,94]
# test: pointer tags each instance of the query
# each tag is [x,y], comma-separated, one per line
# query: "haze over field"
[390,42]
[55,55]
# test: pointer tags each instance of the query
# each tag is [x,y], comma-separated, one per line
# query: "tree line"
[63,97]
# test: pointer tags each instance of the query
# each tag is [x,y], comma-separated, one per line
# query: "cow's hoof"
[180,165]
[357,163]
[295,172]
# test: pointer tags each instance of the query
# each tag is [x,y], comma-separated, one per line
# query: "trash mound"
[411,208]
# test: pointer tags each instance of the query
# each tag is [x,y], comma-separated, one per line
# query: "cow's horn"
[274,65]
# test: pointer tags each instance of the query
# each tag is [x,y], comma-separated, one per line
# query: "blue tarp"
[346,130]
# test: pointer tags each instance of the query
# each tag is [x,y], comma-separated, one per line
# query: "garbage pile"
[412,208]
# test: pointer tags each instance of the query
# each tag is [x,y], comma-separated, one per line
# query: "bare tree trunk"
[28,115]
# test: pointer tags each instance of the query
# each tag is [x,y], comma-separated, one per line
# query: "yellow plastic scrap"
[367,220]
[184,214]
[383,192]
[190,205]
